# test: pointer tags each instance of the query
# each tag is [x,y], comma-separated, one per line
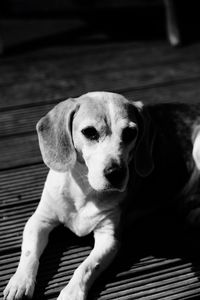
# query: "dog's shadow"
[152,245]
[160,237]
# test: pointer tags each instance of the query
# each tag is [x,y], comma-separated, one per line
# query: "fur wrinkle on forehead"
[121,111]
[108,107]
[92,111]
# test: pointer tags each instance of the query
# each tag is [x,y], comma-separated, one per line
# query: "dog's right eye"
[129,134]
[90,133]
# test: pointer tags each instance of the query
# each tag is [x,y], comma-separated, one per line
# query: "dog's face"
[104,134]
[102,131]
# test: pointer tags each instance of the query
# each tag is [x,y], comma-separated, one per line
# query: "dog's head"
[102,131]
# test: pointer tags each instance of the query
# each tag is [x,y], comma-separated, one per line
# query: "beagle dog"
[106,156]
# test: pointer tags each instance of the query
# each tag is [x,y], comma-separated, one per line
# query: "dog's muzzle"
[115,174]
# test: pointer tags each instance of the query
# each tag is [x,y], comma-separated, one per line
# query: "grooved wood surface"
[156,262]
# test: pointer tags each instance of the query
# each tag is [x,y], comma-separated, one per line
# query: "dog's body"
[102,149]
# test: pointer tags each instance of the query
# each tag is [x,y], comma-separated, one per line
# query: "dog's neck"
[79,174]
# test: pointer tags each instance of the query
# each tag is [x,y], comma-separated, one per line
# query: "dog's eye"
[90,133]
[129,134]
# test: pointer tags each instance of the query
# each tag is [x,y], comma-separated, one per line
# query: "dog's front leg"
[105,249]
[35,237]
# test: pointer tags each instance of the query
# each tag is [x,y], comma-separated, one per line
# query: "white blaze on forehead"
[119,116]
[112,111]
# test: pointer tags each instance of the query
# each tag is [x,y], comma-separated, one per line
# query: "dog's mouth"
[108,188]
[116,189]
[114,177]
[117,183]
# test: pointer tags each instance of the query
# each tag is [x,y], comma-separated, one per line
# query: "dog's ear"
[143,157]
[55,136]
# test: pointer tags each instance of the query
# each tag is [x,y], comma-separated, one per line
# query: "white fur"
[80,200]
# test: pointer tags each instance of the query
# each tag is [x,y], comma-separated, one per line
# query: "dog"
[106,156]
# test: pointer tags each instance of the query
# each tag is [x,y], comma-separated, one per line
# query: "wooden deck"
[156,261]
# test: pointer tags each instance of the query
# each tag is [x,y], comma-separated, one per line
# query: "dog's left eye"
[129,134]
[90,133]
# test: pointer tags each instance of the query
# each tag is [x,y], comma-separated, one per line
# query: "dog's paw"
[72,293]
[20,285]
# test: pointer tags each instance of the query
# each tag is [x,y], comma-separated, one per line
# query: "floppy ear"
[144,163]
[55,139]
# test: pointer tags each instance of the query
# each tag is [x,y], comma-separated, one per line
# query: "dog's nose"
[115,173]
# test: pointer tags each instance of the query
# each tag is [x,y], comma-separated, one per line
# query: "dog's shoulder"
[175,115]
[173,124]
[176,124]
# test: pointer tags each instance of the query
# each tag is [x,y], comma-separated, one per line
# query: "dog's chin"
[107,187]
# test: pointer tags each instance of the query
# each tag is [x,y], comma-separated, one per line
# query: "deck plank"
[23,147]
[143,277]
[107,67]
[31,84]
[23,119]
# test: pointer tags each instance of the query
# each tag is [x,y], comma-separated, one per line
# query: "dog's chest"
[85,220]
[81,221]
[76,207]
[78,212]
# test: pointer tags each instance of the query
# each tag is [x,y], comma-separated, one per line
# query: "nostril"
[114,174]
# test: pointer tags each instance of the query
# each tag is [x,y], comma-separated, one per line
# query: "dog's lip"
[105,193]
[111,188]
